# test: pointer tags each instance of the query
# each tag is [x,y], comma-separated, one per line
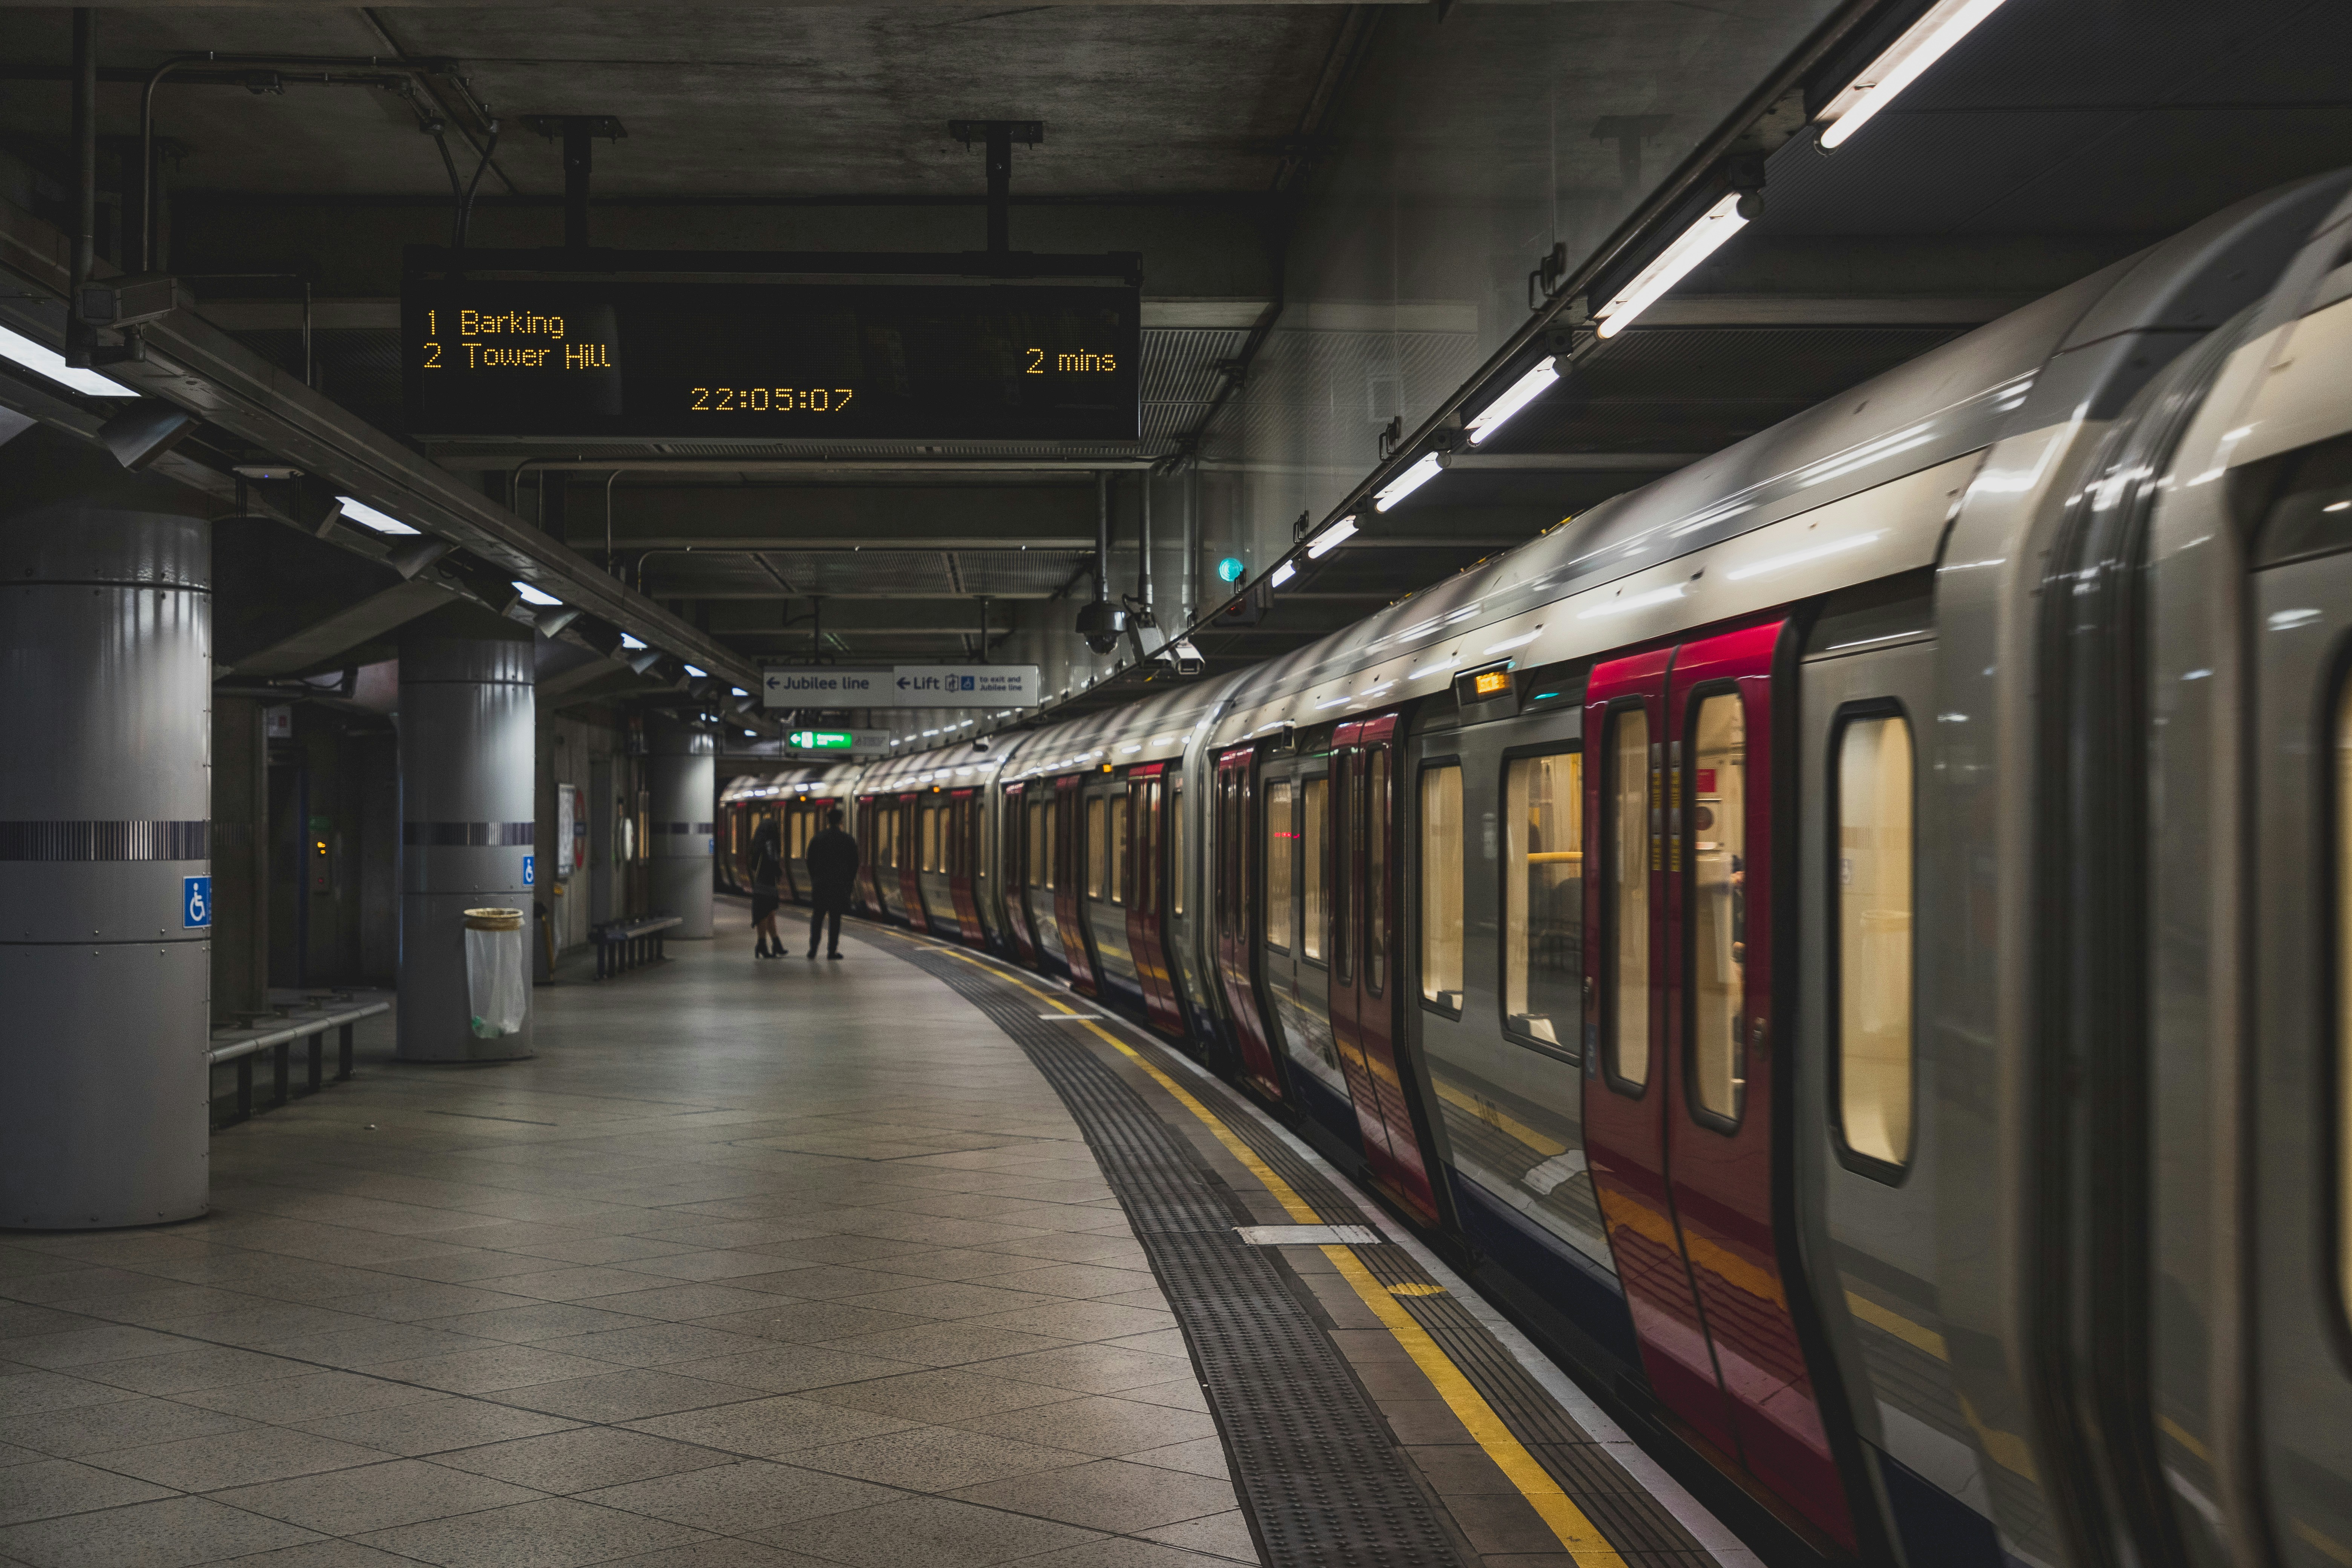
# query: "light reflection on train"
[1865,1009]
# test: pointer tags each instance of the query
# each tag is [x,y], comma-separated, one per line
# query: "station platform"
[903,1261]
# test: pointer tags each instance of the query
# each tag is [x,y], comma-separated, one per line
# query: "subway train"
[1848,943]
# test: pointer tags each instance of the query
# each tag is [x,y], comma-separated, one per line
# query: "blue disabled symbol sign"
[196,902]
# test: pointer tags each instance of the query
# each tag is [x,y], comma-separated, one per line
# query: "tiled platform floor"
[753,1266]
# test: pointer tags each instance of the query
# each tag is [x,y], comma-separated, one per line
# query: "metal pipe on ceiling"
[1144,543]
[1074,467]
[85,139]
[1102,539]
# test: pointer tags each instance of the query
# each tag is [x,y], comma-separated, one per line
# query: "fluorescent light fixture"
[1675,263]
[1283,574]
[1524,391]
[739,691]
[1405,483]
[1331,538]
[23,351]
[382,523]
[697,674]
[629,642]
[1507,644]
[1902,62]
[532,595]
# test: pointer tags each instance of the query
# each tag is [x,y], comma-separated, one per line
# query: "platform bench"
[623,945]
[241,1047]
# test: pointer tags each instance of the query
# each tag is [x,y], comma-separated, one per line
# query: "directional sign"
[965,686]
[839,742]
[903,686]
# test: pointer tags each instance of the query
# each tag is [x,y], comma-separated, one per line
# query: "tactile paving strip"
[1641,1527]
[1317,1470]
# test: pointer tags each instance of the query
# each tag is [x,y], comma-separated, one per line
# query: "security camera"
[981,743]
[1184,656]
[1102,626]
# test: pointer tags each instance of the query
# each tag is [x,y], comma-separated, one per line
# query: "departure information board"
[588,358]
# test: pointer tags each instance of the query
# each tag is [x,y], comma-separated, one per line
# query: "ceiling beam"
[348,628]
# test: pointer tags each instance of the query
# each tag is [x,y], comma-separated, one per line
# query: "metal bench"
[242,1045]
[623,945]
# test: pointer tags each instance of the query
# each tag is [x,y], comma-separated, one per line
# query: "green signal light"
[1231,568]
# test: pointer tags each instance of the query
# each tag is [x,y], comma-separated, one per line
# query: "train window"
[2310,515]
[1176,849]
[1626,801]
[926,828]
[1876,846]
[1716,827]
[1281,866]
[2344,990]
[1315,857]
[1347,844]
[1441,886]
[1121,873]
[1376,872]
[1543,898]
[1095,846]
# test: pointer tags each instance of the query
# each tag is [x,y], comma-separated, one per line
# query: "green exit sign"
[821,740]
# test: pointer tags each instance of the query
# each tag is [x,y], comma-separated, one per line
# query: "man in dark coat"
[833,862]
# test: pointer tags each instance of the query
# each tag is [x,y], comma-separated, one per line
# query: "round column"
[467,713]
[682,777]
[105,830]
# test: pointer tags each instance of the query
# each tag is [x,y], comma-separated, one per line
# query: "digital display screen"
[1493,683]
[690,360]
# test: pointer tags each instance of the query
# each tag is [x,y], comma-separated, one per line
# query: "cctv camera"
[1186,658]
[1102,626]
[980,742]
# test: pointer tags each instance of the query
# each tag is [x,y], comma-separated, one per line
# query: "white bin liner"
[496,989]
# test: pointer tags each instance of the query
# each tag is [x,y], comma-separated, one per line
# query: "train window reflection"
[1119,879]
[1441,886]
[1281,862]
[1314,855]
[2344,989]
[1716,824]
[1094,846]
[1875,850]
[1627,803]
[1376,872]
[1543,898]
[1176,849]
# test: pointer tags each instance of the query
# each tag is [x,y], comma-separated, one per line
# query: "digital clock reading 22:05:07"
[631,360]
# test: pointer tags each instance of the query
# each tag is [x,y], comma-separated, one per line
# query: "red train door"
[963,860]
[1013,868]
[1147,922]
[1366,968]
[1235,910]
[869,886]
[1679,1114]
[1069,844]
[910,859]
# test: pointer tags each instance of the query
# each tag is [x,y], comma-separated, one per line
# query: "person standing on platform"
[833,862]
[767,876]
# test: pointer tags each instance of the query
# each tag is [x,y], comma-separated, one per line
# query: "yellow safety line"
[1578,1533]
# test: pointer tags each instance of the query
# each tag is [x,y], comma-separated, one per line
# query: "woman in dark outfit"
[767,874]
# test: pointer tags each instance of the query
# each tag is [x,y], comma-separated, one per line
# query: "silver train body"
[1849,943]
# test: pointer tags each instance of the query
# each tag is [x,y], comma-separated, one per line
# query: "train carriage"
[1843,941]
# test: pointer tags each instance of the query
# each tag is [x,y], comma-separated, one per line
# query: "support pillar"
[466,829]
[682,776]
[105,801]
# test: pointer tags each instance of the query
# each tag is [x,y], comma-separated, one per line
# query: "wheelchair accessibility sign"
[196,902]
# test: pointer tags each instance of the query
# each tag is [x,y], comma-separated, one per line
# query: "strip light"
[1405,483]
[1902,62]
[1283,574]
[18,349]
[697,674]
[630,642]
[1693,246]
[1524,391]
[1331,538]
[382,523]
[532,595]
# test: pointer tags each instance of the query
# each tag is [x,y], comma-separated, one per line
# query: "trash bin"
[496,986]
